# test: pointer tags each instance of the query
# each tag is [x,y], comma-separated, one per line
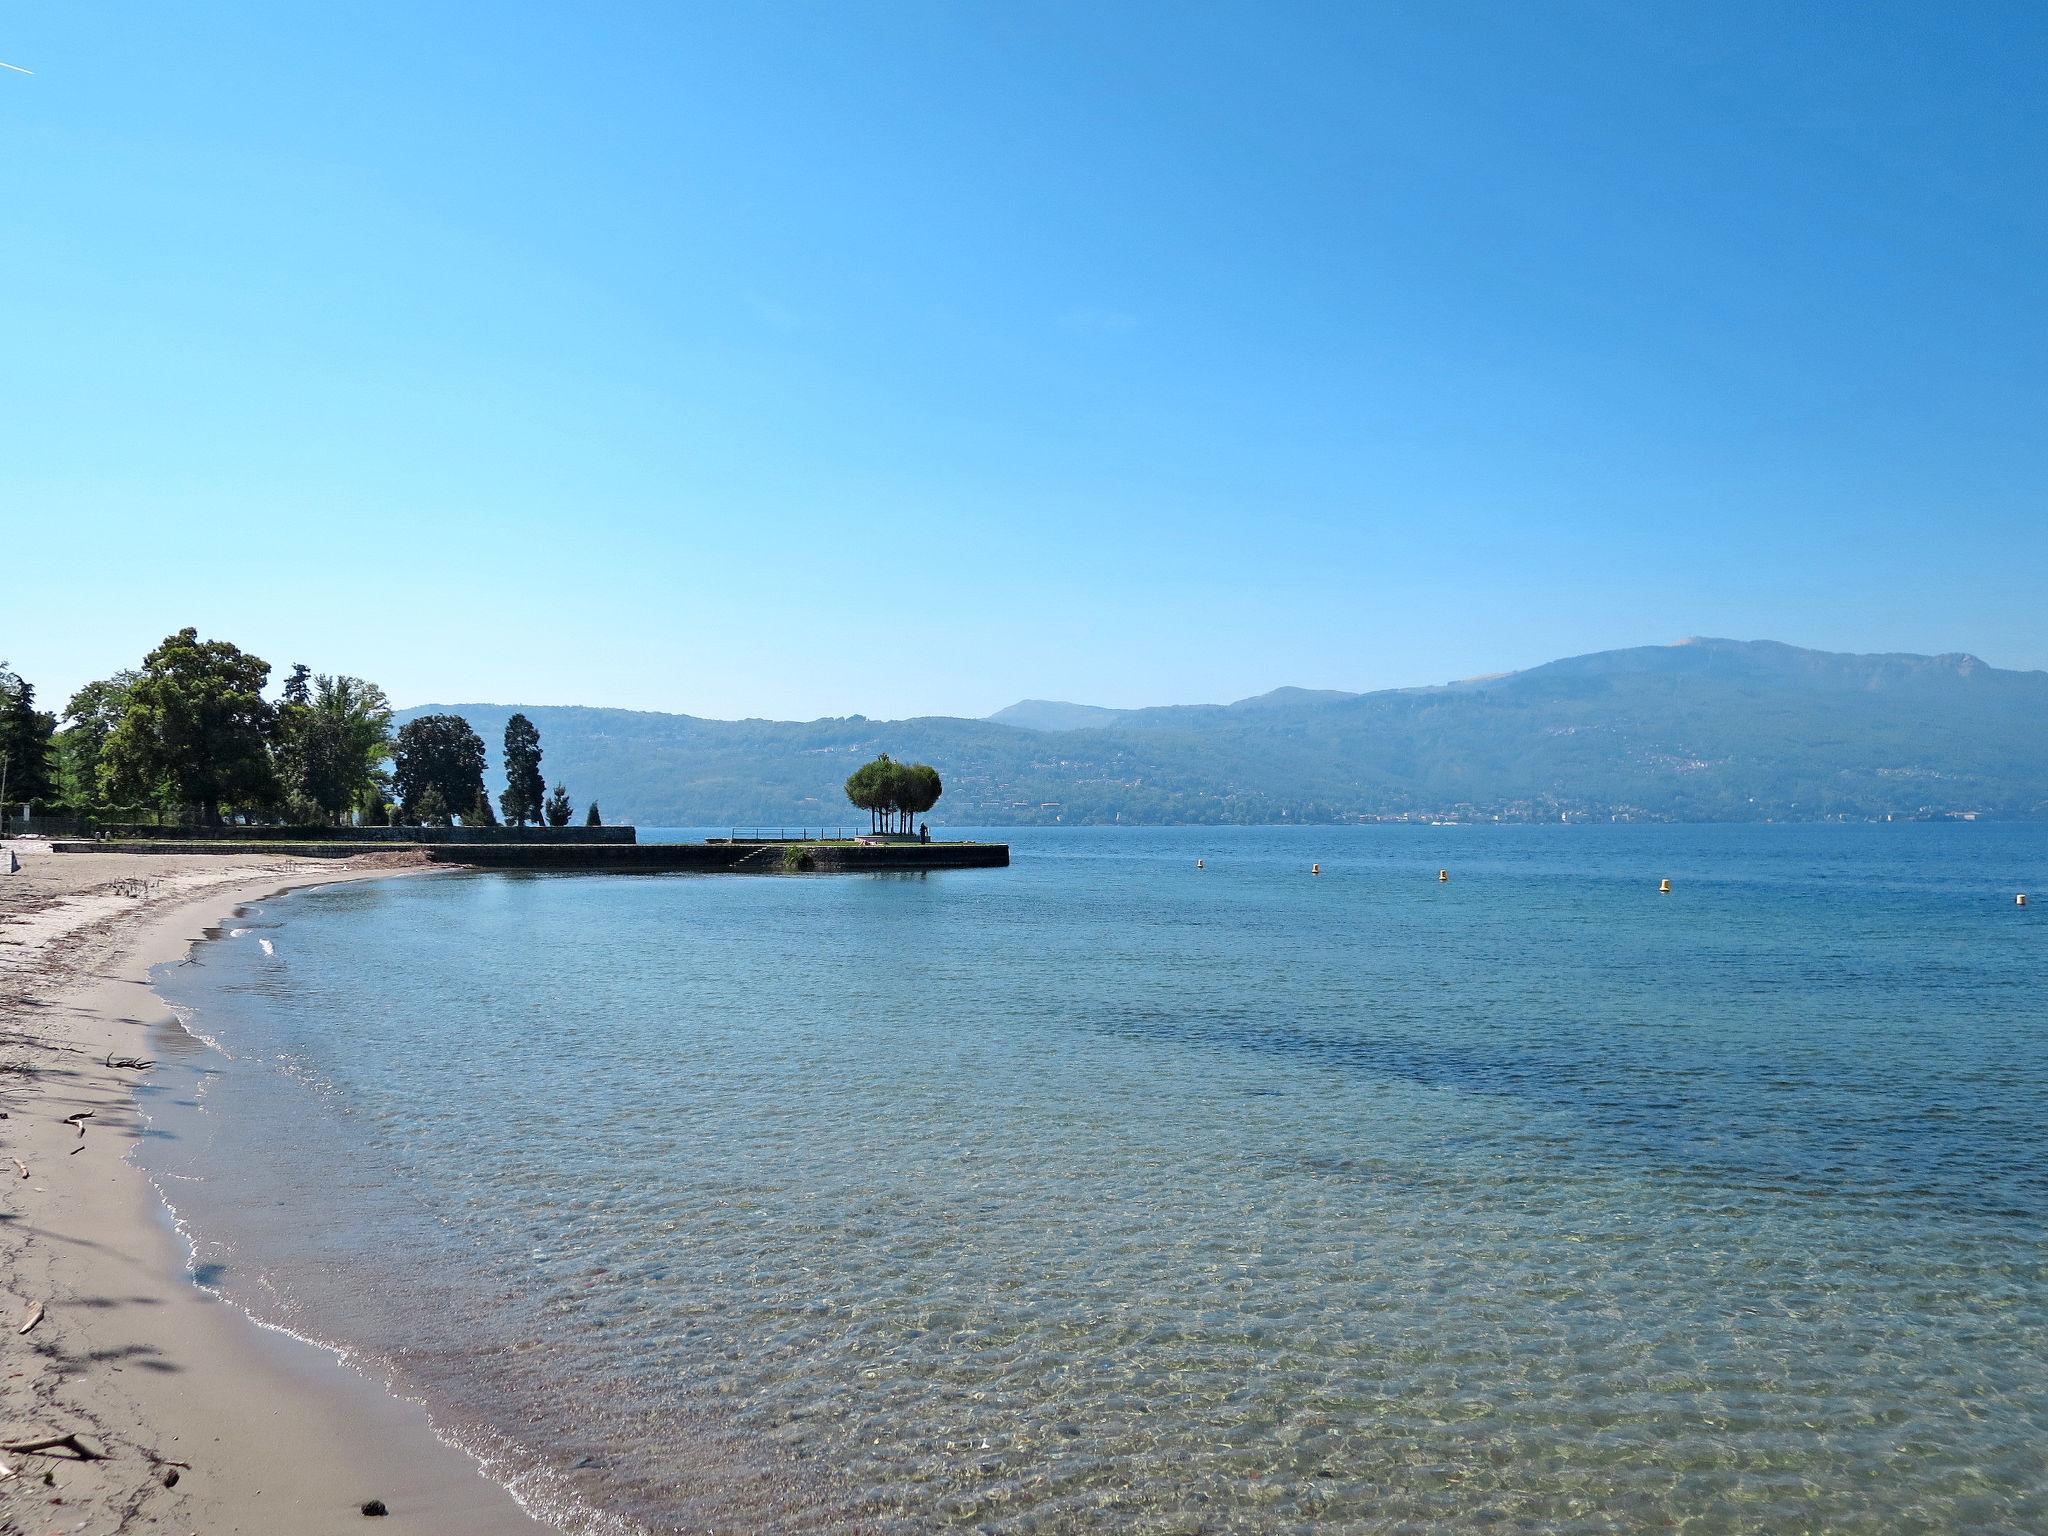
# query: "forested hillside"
[1705,730]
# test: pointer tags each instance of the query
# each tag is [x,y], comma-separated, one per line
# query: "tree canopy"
[894,794]
[558,807]
[25,734]
[524,787]
[439,753]
[195,730]
[559,811]
[333,738]
[92,713]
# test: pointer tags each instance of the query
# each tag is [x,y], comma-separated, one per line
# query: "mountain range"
[1704,730]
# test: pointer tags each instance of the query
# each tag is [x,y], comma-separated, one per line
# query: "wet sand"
[195,1419]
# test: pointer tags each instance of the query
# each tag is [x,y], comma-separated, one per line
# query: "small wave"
[536,1487]
[185,1017]
[268,947]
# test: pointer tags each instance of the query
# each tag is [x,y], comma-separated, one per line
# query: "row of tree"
[894,794]
[189,734]
[437,773]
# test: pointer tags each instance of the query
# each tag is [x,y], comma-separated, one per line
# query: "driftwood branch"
[79,1120]
[51,1445]
[132,1063]
[35,1315]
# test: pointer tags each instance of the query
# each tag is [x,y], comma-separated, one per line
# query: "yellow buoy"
[1664,887]
[1315,869]
[1442,875]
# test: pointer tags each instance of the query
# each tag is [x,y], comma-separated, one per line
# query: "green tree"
[559,810]
[339,738]
[90,718]
[25,734]
[438,752]
[289,747]
[894,794]
[524,787]
[432,810]
[868,788]
[479,814]
[196,731]
[592,818]
[918,788]
[894,787]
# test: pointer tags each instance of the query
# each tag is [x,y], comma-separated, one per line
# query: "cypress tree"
[558,808]
[592,819]
[524,787]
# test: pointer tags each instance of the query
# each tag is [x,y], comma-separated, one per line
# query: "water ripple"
[1094,1194]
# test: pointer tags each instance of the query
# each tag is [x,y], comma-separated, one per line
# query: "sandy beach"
[158,1407]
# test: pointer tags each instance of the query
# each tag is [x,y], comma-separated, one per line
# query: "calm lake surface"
[1106,1193]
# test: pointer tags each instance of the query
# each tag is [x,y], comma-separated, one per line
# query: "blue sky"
[815,359]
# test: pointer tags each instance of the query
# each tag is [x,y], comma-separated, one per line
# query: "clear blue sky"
[801,359]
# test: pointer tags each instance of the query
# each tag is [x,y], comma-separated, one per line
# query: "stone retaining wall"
[409,835]
[200,847]
[726,858]
[611,858]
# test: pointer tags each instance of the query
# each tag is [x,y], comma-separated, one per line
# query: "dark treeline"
[437,772]
[189,736]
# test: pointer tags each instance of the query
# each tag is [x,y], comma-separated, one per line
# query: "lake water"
[1106,1193]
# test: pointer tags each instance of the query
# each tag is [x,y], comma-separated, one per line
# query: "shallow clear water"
[1106,1193]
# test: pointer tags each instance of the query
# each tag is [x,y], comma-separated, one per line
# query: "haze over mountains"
[1699,731]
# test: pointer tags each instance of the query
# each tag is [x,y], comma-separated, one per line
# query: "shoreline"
[198,1416]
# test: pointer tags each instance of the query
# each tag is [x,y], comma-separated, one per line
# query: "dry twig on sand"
[51,1444]
[35,1315]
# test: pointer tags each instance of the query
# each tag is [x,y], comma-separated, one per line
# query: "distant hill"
[1699,731]
[1052,715]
